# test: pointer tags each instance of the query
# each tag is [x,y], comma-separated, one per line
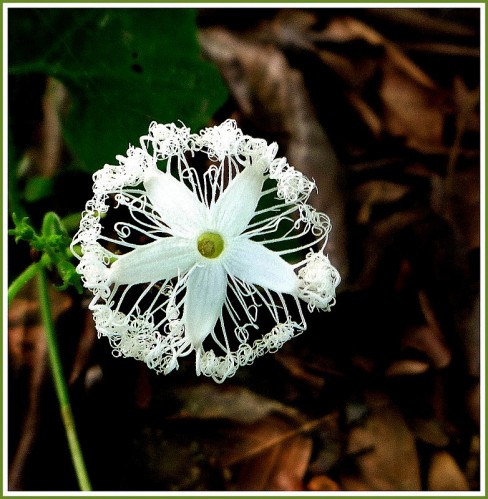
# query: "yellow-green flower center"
[210,244]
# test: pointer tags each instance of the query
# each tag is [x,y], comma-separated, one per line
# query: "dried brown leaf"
[439,48]
[345,29]
[418,20]
[473,400]
[429,338]
[250,440]
[466,204]
[395,56]
[322,483]
[380,233]
[445,474]
[299,370]
[367,113]
[210,401]
[352,482]
[407,367]
[429,341]
[85,346]
[385,452]
[375,192]
[329,446]
[472,469]
[360,440]
[467,105]
[280,466]
[413,107]
[430,431]
[467,117]
[25,334]
[412,111]
[470,332]
[290,28]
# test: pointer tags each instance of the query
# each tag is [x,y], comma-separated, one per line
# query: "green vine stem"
[60,384]
[19,282]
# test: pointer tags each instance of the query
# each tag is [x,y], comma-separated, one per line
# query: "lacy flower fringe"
[146,320]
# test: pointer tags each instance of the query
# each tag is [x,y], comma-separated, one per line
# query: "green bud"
[23,230]
[52,225]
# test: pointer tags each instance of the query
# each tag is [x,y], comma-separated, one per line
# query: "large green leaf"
[124,67]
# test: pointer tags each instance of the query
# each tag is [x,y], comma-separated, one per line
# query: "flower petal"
[161,259]
[235,207]
[255,264]
[177,205]
[205,297]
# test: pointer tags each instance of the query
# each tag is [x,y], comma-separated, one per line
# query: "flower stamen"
[210,244]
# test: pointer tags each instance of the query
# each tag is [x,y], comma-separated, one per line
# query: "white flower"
[195,259]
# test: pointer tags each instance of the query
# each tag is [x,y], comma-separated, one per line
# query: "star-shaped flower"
[201,255]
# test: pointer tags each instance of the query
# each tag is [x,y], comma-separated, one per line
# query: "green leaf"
[38,188]
[124,67]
